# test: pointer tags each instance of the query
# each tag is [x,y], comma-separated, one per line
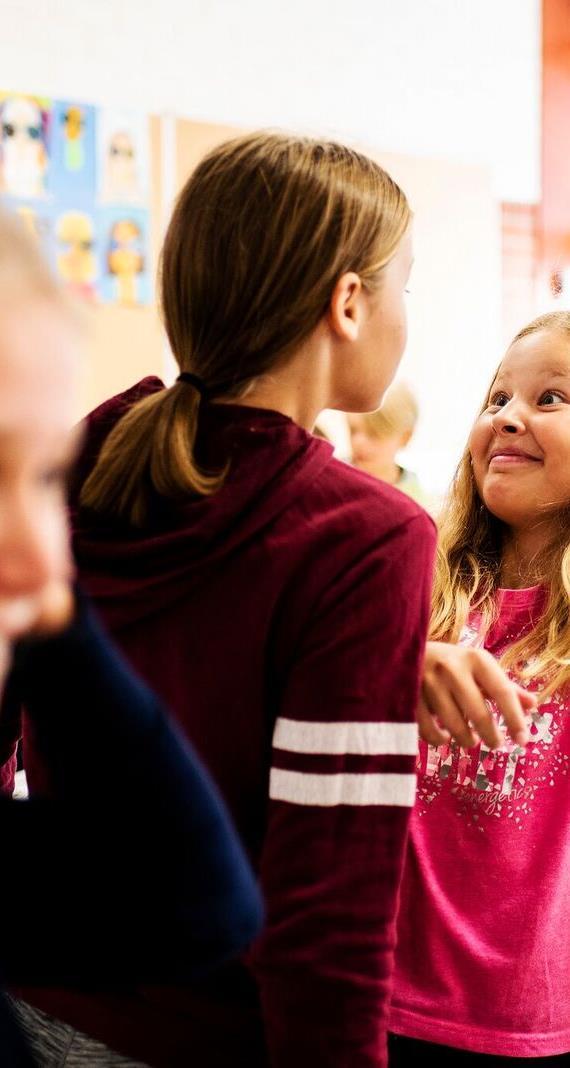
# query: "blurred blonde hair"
[261,233]
[398,414]
[469,560]
[24,272]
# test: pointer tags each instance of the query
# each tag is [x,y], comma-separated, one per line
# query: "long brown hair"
[261,232]
[469,561]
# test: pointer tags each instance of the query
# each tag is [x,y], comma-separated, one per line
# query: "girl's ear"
[345,308]
[406,438]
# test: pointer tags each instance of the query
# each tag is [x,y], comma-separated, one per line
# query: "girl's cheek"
[479,437]
[59,546]
[472,446]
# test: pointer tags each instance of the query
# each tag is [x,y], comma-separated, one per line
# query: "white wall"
[454,307]
[455,80]
[443,78]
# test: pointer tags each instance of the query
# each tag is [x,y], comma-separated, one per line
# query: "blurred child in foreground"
[103,884]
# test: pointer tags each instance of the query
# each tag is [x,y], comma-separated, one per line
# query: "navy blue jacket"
[141,879]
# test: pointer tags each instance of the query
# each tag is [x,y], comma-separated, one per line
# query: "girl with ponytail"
[275,598]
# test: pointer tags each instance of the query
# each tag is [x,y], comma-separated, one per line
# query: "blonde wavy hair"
[468,566]
[261,233]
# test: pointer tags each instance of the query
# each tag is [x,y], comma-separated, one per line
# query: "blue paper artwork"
[124,243]
[73,171]
[79,178]
[76,250]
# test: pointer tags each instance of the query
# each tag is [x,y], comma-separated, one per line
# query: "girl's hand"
[458,682]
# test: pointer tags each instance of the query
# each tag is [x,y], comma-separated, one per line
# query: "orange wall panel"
[555,209]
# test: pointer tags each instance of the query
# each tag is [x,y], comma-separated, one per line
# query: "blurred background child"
[378,437]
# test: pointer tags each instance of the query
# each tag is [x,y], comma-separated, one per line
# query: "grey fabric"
[55,1044]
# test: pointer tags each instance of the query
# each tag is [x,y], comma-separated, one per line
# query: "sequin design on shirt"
[497,784]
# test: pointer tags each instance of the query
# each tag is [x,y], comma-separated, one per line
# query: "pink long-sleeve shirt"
[483,961]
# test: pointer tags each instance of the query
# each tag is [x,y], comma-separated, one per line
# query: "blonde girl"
[483,963]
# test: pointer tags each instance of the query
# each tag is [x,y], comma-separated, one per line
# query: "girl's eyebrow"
[557,372]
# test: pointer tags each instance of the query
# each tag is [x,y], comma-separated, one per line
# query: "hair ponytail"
[151,447]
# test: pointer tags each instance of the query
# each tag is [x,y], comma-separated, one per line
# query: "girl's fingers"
[429,729]
[440,701]
[475,710]
[529,701]
[459,685]
[493,682]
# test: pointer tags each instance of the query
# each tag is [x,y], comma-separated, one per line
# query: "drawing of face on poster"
[125,258]
[23,146]
[76,259]
[125,276]
[124,158]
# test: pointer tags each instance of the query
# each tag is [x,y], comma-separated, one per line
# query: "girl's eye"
[551,397]
[498,400]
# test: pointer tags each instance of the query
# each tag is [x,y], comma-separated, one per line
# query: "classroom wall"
[446,92]
[454,340]
[124,344]
[456,79]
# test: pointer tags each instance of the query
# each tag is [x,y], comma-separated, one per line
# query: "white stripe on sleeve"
[301,788]
[366,739]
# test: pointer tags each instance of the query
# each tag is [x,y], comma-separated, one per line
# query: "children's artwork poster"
[73,169]
[79,178]
[125,276]
[75,243]
[123,157]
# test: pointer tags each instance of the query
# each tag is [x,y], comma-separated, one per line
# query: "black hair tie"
[207,392]
[196,381]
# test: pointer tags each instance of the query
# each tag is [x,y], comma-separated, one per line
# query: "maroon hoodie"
[283,620]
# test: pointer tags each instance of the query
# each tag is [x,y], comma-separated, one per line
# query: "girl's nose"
[27,557]
[509,420]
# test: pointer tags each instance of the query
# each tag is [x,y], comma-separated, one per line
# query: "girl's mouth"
[512,458]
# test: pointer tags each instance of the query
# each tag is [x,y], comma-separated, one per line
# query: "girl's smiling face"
[520,444]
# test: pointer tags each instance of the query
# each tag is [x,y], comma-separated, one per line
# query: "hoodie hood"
[133,573]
